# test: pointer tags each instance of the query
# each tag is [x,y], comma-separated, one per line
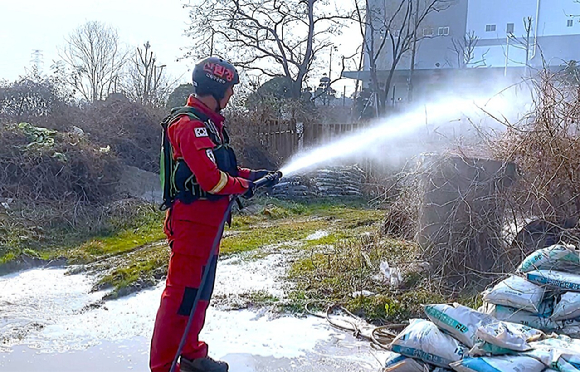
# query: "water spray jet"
[391,129]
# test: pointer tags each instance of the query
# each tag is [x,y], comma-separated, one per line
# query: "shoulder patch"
[201,132]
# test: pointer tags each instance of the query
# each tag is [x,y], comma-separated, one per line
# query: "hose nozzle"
[269,180]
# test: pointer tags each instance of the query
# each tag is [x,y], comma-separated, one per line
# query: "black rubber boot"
[206,364]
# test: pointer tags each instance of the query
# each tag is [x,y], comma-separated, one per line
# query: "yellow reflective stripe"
[221,184]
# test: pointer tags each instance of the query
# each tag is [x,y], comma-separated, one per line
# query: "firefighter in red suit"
[205,178]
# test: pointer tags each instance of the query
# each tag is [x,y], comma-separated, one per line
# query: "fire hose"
[268,180]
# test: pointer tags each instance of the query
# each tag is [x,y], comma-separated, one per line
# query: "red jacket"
[194,147]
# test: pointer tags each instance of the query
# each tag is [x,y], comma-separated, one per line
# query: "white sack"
[555,257]
[556,279]
[568,307]
[423,340]
[540,321]
[459,321]
[400,363]
[508,335]
[508,363]
[561,352]
[565,366]
[516,292]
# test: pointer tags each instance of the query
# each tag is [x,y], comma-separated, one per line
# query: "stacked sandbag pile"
[296,187]
[544,293]
[337,181]
[465,340]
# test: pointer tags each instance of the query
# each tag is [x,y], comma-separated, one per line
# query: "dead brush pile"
[546,148]
[42,164]
[532,175]
[131,130]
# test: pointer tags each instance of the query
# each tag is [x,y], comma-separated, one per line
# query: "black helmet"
[213,76]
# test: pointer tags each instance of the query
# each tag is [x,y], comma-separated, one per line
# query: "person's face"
[228,94]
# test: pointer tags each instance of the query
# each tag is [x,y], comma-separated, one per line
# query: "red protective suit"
[191,229]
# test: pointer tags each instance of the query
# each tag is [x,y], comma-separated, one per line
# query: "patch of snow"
[240,274]
[317,235]
[65,332]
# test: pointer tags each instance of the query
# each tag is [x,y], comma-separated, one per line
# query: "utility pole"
[507,53]
[413,53]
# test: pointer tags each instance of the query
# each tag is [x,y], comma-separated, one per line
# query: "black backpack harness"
[178,181]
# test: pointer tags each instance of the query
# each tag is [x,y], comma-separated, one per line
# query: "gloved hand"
[250,192]
[259,173]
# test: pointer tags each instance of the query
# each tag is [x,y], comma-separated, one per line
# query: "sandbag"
[565,366]
[570,327]
[561,352]
[511,363]
[516,292]
[399,363]
[555,257]
[423,340]
[508,335]
[555,279]
[540,320]
[459,321]
[482,349]
[568,307]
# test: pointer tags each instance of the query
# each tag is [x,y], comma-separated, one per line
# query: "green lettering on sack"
[435,313]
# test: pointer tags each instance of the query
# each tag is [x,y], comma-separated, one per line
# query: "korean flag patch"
[201,132]
[210,155]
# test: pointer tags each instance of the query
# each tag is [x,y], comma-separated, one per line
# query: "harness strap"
[176,187]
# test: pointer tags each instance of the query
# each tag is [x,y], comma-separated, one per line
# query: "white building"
[503,44]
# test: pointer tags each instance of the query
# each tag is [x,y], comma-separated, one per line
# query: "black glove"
[250,192]
[259,173]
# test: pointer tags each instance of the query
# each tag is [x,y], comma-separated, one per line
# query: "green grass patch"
[119,242]
[136,271]
[333,274]
[95,233]
[258,237]
[278,222]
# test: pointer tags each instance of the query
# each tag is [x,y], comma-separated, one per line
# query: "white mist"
[388,132]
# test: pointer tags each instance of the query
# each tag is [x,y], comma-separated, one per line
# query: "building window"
[489,28]
[510,28]
[570,23]
[427,32]
[443,31]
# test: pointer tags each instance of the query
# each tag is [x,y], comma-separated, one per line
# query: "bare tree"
[391,31]
[94,57]
[524,42]
[464,49]
[147,82]
[272,37]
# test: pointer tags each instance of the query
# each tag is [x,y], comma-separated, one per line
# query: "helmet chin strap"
[218,104]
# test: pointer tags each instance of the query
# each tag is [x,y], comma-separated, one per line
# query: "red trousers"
[191,245]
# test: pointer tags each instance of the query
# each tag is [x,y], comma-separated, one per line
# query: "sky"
[29,25]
